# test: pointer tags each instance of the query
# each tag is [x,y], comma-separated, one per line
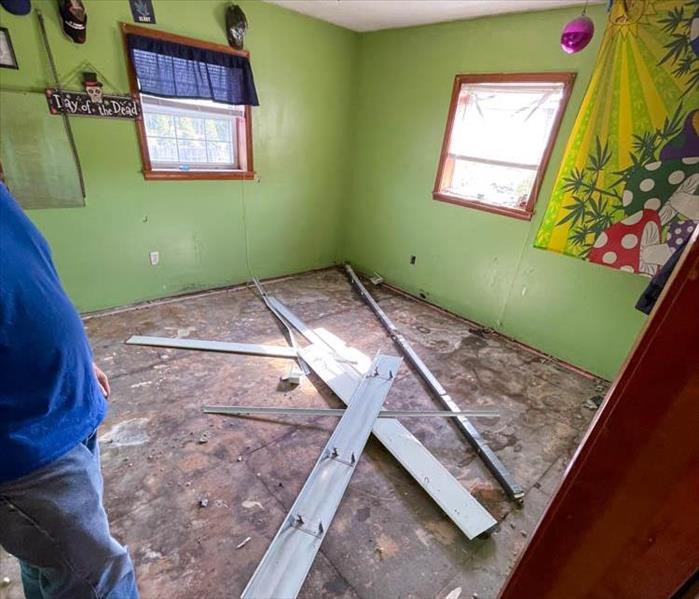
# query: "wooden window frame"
[527,211]
[244,133]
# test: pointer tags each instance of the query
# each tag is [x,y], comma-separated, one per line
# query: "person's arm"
[101,379]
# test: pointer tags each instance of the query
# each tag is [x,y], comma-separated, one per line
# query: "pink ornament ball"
[577,34]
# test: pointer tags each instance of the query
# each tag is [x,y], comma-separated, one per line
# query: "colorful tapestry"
[627,193]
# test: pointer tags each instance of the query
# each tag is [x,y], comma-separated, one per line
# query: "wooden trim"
[477,325]
[136,96]
[519,213]
[198,175]
[249,164]
[624,521]
[444,154]
[151,174]
[567,78]
[157,34]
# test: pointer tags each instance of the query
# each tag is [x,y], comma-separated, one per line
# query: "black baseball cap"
[17,7]
[74,17]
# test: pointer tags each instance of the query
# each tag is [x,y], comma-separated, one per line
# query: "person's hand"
[102,379]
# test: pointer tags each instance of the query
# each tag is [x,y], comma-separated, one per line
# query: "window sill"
[519,213]
[197,175]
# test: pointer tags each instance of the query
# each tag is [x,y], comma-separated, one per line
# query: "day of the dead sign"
[91,104]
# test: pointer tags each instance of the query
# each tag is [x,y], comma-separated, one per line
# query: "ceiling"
[371,15]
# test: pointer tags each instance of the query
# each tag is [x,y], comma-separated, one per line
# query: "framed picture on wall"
[8,60]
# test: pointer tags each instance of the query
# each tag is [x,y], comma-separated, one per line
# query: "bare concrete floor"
[388,540]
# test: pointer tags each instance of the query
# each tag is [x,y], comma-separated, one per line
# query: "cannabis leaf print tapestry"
[627,192]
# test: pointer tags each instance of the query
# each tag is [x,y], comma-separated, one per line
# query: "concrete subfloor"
[161,455]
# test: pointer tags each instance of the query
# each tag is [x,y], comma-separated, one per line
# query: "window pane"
[219,152]
[191,133]
[162,149]
[159,125]
[191,151]
[507,125]
[218,130]
[497,185]
[190,128]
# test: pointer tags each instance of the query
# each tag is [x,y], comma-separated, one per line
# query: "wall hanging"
[578,33]
[8,60]
[142,11]
[92,101]
[74,19]
[627,192]
[17,7]
[236,26]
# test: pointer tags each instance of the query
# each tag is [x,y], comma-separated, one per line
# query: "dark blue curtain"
[171,70]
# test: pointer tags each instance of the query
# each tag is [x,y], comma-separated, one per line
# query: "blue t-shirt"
[49,397]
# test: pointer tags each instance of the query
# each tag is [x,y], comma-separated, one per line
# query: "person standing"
[52,399]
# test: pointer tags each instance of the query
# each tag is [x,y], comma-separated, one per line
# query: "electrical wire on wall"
[286,328]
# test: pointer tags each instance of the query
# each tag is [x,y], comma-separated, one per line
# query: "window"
[183,132]
[193,135]
[499,136]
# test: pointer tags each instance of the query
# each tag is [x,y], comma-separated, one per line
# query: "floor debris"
[376,279]
[294,376]
[244,542]
[203,502]
[142,384]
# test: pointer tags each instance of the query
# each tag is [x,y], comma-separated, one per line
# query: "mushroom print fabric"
[627,192]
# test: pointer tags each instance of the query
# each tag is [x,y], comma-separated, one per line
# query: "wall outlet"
[154,258]
[412,259]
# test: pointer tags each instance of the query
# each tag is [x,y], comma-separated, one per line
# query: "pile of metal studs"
[362,385]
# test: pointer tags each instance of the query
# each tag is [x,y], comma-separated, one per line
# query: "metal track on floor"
[473,436]
[290,555]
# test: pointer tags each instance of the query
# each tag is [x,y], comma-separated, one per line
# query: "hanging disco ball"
[577,34]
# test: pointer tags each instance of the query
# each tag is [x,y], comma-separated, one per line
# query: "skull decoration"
[93,87]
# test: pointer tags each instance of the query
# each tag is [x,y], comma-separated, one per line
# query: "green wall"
[304,71]
[346,144]
[477,264]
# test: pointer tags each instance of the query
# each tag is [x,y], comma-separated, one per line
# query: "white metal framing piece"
[337,412]
[270,351]
[473,436]
[289,331]
[343,377]
[290,555]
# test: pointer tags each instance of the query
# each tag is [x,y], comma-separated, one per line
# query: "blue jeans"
[53,521]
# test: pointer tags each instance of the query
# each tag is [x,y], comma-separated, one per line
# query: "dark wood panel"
[625,520]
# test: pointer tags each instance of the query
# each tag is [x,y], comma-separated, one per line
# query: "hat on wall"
[17,7]
[236,26]
[74,17]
